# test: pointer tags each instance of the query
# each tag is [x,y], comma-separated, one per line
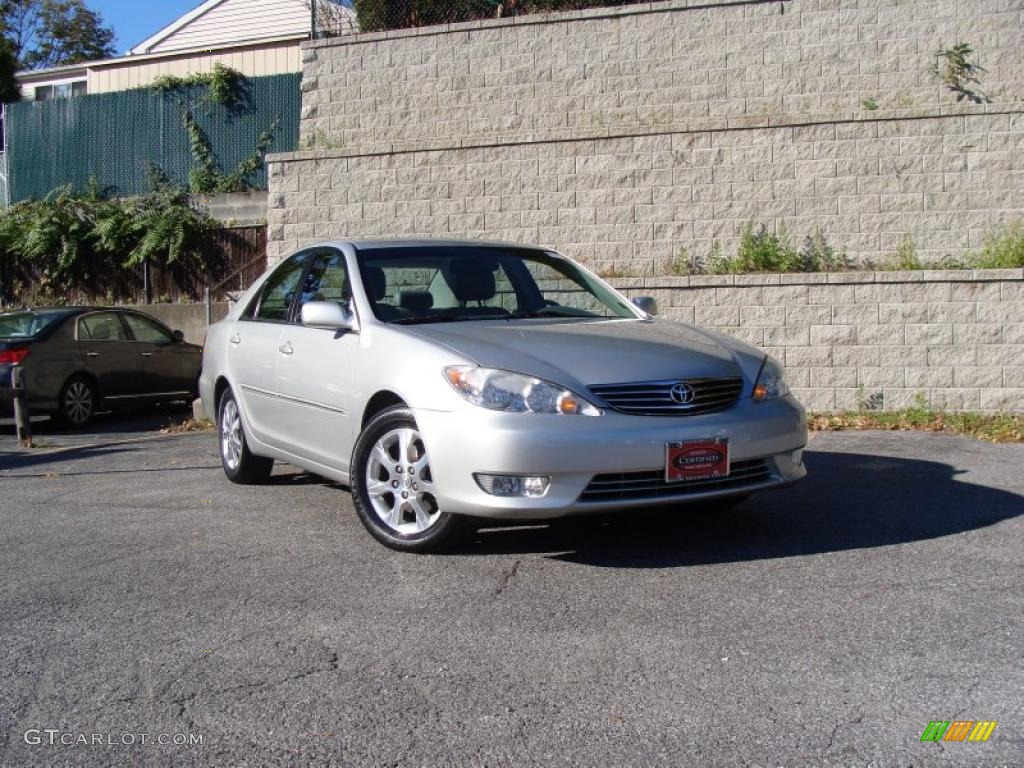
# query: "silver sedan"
[449,380]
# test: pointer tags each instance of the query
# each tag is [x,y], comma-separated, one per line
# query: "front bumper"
[572,450]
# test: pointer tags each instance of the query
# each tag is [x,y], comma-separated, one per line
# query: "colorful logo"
[958,730]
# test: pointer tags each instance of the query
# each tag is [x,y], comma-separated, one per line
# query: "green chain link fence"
[115,137]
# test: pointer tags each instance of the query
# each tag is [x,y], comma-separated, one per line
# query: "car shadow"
[14,464]
[130,420]
[848,501]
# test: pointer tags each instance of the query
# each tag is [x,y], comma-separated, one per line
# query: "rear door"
[316,370]
[109,355]
[169,369]
[253,349]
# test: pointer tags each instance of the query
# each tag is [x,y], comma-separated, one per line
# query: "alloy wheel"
[231,434]
[78,402]
[400,484]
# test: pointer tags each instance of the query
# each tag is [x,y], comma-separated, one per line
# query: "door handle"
[286,348]
[92,354]
[236,339]
[147,354]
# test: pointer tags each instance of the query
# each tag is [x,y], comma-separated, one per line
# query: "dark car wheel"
[393,487]
[240,465]
[78,401]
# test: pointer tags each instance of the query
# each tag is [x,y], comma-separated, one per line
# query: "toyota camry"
[442,381]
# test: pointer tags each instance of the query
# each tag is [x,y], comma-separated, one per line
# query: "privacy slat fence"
[114,137]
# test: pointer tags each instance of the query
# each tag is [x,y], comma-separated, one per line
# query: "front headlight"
[771,382]
[515,393]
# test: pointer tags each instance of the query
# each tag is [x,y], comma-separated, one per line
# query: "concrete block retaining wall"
[875,339]
[623,136]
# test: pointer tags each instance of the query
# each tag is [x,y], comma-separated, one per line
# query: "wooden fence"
[238,253]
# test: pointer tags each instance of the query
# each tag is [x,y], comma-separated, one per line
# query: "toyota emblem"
[682,393]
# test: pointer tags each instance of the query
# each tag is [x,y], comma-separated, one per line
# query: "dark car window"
[21,325]
[101,326]
[275,300]
[146,330]
[327,280]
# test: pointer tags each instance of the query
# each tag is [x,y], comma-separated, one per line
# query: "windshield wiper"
[424,319]
[550,313]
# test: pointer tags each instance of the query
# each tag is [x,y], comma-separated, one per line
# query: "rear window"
[23,325]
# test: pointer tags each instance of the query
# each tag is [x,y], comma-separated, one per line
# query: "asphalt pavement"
[147,599]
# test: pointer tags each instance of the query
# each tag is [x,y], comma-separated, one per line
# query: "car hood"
[580,354]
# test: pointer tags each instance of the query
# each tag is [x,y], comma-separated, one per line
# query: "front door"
[166,370]
[316,371]
[254,341]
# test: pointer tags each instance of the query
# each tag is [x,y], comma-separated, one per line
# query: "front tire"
[393,487]
[240,465]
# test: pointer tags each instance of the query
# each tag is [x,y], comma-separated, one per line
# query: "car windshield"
[23,325]
[438,284]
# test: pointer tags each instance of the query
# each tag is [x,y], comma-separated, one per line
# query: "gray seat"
[472,280]
[416,301]
[376,283]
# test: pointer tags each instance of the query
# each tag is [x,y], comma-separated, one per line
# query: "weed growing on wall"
[1002,251]
[761,251]
[955,70]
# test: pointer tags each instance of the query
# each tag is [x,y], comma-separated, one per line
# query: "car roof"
[68,311]
[51,310]
[427,243]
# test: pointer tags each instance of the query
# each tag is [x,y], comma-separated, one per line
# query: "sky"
[135,20]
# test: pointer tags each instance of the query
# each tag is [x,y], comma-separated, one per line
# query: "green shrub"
[763,251]
[1002,251]
[906,258]
[78,241]
[816,255]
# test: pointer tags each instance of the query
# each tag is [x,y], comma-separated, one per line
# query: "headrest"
[471,280]
[376,283]
[101,330]
[415,301]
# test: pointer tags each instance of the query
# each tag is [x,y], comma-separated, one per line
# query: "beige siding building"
[256,37]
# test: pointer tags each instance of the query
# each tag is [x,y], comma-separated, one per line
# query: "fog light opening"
[513,485]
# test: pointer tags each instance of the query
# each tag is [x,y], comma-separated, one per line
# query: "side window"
[101,326]
[327,280]
[275,299]
[146,330]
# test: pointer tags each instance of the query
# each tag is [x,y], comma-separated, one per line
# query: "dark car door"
[169,367]
[109,354]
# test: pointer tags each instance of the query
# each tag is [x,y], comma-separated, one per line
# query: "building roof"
[215,23]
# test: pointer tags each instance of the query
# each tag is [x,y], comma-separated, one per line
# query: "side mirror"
[647,304]
[329,316]
[178,336]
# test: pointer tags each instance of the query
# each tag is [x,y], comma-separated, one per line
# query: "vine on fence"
[229,88]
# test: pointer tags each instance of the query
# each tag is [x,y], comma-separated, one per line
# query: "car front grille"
[640,486]
[654,398]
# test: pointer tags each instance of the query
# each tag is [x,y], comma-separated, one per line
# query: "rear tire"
[393,487]
[240,465]
[78,401]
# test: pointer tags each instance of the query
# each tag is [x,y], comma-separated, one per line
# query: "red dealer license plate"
[697,459]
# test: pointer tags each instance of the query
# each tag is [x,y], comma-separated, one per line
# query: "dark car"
[78,360]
